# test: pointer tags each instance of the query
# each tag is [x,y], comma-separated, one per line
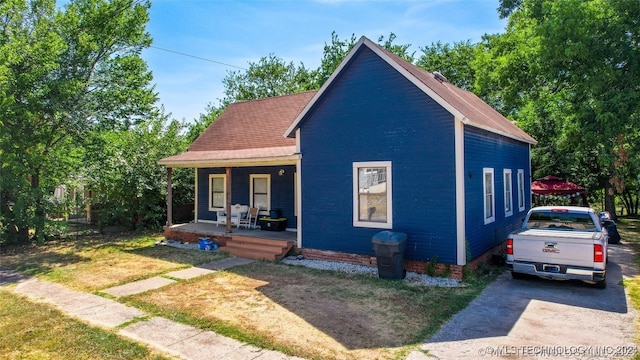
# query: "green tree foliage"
[454,62]
[568,72]
[332,56]
[62,73]
[270,76]
[335,51]
[273,76]
[128,186]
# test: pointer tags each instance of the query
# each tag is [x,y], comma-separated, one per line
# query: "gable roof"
[252,124]
[462,104]
[250,131]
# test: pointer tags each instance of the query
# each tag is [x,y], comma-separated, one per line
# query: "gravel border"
[410,278]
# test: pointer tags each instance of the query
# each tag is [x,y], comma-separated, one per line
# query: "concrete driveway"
[544,319]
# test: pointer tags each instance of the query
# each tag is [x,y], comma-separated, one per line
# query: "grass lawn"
[97,262]
[37,331]
[299,311]
[629,229]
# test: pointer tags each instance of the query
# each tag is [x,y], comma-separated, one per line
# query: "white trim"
[260,176]
[324,87]
[366,42]
[422,86]
[389,186]
[271,161]
[298,189]
[508,210]
[522,203]
[492,218]
[409,76]
[195,201]
[207,221]
[224,191]
[461,244]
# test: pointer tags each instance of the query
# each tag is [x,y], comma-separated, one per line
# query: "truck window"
[560,221]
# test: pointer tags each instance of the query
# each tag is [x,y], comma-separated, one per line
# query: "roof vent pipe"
[439,77]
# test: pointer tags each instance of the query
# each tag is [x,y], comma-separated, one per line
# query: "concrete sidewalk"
[183,341]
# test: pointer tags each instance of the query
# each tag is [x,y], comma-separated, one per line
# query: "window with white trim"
[260,189]
[521,200]
[217,191]
[489,196]
[372,200]
[508,196]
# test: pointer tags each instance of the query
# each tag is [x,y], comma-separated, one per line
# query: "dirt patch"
[312,313]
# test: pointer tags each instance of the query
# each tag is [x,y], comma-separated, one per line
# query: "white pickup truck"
[560,243]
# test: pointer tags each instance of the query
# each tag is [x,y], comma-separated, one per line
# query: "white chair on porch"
[250,221]
[237,212]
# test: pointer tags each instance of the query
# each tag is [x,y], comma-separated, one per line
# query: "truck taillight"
[509,246]
[598,253]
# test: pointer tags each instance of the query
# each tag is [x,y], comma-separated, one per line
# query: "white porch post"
[227,206]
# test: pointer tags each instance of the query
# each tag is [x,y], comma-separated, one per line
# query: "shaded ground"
[294,310]
[547,319]
[313,313]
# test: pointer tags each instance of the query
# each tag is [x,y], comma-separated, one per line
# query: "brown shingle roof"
[245,134]
[253,124]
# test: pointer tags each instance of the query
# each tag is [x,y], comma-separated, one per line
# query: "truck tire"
[602,284]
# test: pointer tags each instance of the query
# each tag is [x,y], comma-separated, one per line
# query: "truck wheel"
[517,275]
[602,284]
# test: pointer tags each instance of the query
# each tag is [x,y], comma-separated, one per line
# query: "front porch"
[246,243]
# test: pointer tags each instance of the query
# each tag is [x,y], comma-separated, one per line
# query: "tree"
[454,62]
[332,56]
[569,72]
[270,76]
[128,187]
[335,51]
[63,73]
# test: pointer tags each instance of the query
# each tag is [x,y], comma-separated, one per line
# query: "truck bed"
[573,248]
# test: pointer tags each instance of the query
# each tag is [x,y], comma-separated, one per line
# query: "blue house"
[383,145]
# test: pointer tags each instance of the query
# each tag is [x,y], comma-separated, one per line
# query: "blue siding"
[487,150]
[372,113]
[282,189]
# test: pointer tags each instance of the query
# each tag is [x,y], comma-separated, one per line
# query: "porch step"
[258,249]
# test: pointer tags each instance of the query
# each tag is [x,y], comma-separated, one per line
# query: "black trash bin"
[389,247]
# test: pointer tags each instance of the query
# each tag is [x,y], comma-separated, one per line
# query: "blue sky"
[239,32]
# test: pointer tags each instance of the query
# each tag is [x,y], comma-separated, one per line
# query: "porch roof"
[281,155]
[246,133]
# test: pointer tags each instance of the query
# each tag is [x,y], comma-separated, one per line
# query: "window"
[372,205]
[260,191]
[521,203]
[489,196]
[508,198]
[217,191]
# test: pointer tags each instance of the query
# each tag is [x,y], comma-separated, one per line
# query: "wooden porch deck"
[247,243]
[213,230]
